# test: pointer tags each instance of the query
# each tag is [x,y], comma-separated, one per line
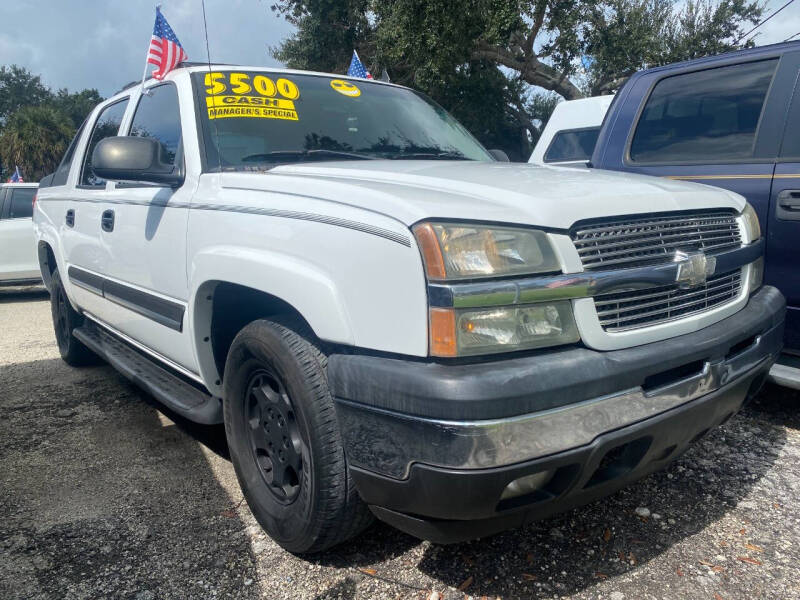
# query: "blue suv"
[731,121]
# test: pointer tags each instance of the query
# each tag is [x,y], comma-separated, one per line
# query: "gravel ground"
[105,494]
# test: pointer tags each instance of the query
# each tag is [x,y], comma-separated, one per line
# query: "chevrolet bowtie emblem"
[693,268]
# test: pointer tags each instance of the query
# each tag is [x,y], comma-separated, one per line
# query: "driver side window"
[107,125]
[157,116]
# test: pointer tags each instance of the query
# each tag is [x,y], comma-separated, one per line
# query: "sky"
[102,44]
[785,24]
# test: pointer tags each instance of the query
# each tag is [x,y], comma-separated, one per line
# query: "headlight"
[751,224]
[464,251]
[463,332]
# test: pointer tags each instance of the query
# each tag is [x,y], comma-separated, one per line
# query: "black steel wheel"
[285,445]
[275,438]
[60,313]
[65,320]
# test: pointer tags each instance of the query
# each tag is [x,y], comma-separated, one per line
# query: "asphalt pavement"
[104,493]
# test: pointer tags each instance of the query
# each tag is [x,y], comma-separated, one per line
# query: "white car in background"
[19,263]
[571,133]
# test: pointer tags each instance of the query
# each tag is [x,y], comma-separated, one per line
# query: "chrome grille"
[626,242]
[640,308]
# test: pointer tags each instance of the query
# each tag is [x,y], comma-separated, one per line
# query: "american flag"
[165,49]
[357,69]
[16,177]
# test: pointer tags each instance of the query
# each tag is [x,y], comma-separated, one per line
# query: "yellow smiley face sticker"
[345,88]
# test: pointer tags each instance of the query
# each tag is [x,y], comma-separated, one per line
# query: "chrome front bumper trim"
[576,285]
[390,442]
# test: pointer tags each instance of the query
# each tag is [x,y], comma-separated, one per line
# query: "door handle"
[789,200]
[70,218]
[107,220]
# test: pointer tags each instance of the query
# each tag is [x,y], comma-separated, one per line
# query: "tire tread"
[75,353]
[338,511]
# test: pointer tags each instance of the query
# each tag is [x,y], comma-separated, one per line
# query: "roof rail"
[180,65]
[127,86]
[187,63]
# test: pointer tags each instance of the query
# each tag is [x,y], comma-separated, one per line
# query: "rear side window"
[157,116]
[107,125]
[60,177]
[703,116]
[572,145]
[21,204]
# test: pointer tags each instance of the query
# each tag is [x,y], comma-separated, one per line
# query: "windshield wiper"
[429,156]
[299,155]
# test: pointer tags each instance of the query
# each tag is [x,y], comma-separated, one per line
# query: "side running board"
[178,395]
[786,371]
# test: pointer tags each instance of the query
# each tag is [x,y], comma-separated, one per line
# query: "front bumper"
[432,447]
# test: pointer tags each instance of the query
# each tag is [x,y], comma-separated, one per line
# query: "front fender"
[297,282]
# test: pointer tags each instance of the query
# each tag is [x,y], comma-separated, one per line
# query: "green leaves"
[327,33]
[75,105]
[36,124]
[35,138]
[629,35]
[483,60]
[18,88]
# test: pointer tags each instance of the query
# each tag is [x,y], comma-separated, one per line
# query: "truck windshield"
[255,120]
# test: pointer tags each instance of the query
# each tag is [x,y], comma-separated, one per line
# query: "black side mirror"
[143,159]
[499,155]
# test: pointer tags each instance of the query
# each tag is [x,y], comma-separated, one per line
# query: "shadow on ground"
[100,496]
[23,294]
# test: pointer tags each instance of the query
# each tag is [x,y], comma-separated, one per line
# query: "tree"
[483,59]
[20,92]
[18,88]
[327,33]
[76,105]
[35,138]
[432,37]
[543,41]
[632,34]
[479,96]
[476,92]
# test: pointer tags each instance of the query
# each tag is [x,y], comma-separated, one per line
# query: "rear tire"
[284,439]
[65,320]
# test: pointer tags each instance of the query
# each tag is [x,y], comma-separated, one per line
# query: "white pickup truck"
[387,320]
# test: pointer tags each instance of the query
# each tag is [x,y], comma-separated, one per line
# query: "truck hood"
[555,197]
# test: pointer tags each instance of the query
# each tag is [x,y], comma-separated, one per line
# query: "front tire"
[284,440]
[65,320]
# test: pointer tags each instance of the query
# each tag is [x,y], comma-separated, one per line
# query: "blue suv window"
[703,116]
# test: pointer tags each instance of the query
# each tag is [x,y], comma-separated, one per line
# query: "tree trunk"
[530,69]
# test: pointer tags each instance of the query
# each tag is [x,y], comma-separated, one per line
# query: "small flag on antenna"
[16,177]
[165,51]
[357,69]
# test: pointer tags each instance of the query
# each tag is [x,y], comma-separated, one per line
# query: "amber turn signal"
[431,251]
[443,332]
